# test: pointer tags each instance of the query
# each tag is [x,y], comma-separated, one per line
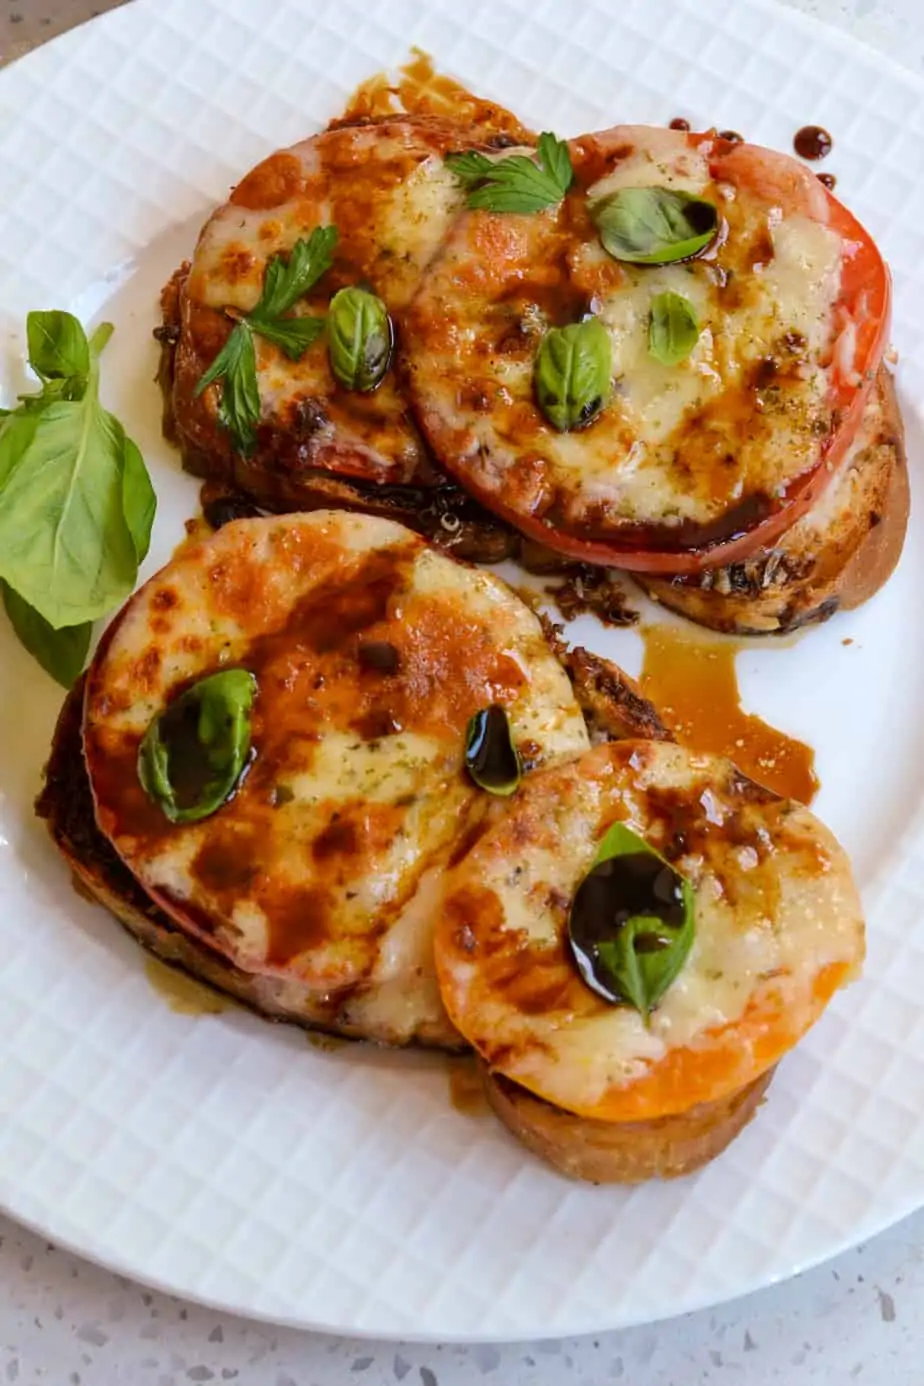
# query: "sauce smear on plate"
[692,681]
[418,89]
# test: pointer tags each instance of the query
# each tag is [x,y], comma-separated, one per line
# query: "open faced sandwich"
[357,784]
[645,349]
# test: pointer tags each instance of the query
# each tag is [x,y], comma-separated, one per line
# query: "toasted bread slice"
[395,1004]
[623,1152]
[835,558]
[776,927]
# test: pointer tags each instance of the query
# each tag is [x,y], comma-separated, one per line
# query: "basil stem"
[194,753]
[631,925]
[673,329]
[654,226]
[359,337]
[572,373]
[491,758]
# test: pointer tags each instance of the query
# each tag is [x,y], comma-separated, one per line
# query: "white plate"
[224,1159]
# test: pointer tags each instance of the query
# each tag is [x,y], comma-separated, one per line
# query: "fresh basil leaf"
[292,335]
[359,338]
[235,367]
[516,183]
[654,226]
[631,925]
[16,434]
[139,501]
[194,753]
[572,373]
[61,653]
[286,281]
[491,758]
[65,546]
[58,346]
[673,329]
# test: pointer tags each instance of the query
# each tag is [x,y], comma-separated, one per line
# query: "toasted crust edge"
[622,1152]
[856,560]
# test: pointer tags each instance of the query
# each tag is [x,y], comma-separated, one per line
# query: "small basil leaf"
[359,338]
[572,373]
[61,653]
[654,226]
[631,925]
[673,330]
[139,502]
[491,758]
[58,346]
[194,753]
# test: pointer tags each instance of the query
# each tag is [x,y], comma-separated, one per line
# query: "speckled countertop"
[66,1322]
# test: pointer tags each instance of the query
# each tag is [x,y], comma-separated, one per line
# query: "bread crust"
[835,558]
[622,1152]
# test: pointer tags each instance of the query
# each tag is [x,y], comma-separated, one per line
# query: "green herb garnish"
[194,753]
[235,366]
[673,329]
[515,183]
[631,925]
[572,373]
[654,226]
[76,501]
[491,758]
[359,338]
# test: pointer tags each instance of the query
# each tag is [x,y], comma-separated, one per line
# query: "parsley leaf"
[292,335]
[235,366]
[286,281]
[516,183]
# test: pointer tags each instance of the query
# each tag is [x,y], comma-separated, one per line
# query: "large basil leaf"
[631,925]
[58,346]
[61,653]
[139,501]
[572,373]
[194,753]
[654,226]
[65,546]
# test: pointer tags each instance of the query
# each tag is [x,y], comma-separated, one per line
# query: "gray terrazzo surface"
[66,1322]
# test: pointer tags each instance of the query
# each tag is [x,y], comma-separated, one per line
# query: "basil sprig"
[194,753]
[631,925]
[572,373]
[235,366]
[76,501]
[491,758]
[673,329]
[654,226]
[359,338]
[516,183]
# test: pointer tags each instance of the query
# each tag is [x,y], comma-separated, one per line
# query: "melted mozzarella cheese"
[740,418]
[356,787]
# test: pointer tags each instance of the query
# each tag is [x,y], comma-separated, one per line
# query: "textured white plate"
[225,1159]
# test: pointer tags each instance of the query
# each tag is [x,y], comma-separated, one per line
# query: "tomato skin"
[863,309]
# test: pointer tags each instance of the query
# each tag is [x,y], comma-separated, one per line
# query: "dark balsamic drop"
[828,179]
[812,142]
[678,123]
